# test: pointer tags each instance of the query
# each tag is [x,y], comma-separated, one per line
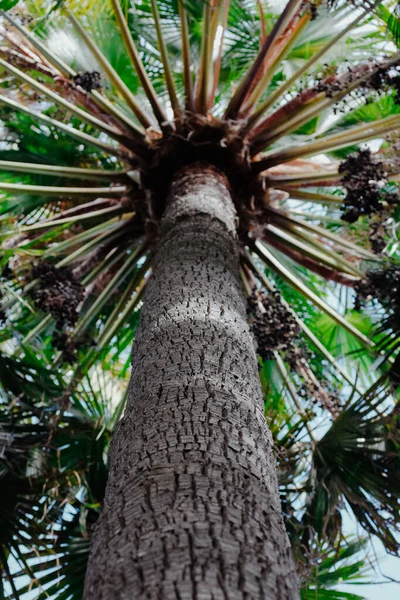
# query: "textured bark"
[192,509]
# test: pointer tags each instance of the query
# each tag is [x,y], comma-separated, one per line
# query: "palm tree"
[186,144]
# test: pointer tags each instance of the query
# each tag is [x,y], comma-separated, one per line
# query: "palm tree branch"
[113,76]
[290,81]
[357,134]
[63,171]
[138,64]
[168,74]
[186,59]
[290,10]
[70,73]
[85,116]
[76,133]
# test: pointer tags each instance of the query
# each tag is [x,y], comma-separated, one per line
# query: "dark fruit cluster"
[88,80]
[382,285]
[329,86]
[57,293]
[384,80]
[63,342]
[333,4]
[319,394]
[69,346]
[313,9]
[5,275]
[6,272]
[296,356]
[364,179]
[377,232]
[273,325]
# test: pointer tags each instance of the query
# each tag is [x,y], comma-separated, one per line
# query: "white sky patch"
[217,41]
[65,45]
[168,110]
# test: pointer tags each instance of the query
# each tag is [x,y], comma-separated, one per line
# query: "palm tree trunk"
[192,509]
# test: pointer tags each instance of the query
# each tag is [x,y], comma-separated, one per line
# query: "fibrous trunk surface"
[192,508]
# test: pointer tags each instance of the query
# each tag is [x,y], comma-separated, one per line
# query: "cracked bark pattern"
[192,509]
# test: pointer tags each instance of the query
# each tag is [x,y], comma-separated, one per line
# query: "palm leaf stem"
[245,280]
[111,73]
[301,112]
[335,141]
[274,264]
[321,348]
[324,218]
[68,72]
[238,98]
[132,287]
[295,238]
[111,327]
[51,223]
[115,256]
[306,372]
[216,14]
[83,236]
[218,60]
[11,303]
[318,197]
[36,330]
[309,263]
[64,192]
[290,226]
[319,179]
[83,115]
[23,61]
[76,133]
[119,411]
[292,392]
[102,258]
[62,171]
[326,233]
[168,74]
[285,125]
[284,43]
[263,31]
[93,243]
[62,66]
[110,288]
[203,76]
[85,208]
[186,60]
[284,87]
[138,64]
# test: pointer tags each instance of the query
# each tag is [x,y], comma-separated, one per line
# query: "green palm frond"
[367,482]
[337,566]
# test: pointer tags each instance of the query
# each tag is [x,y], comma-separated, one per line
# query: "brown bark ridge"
[192,508]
